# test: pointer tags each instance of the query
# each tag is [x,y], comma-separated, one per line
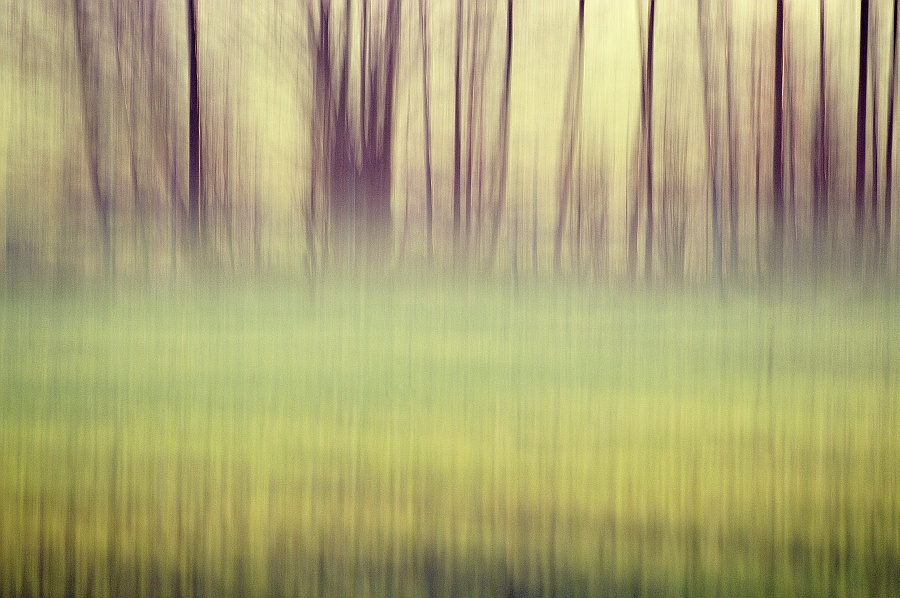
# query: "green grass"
[435,440]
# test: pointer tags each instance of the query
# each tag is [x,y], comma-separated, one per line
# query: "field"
[401,439]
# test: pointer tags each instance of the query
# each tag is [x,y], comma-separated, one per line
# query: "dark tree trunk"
[712,145]
[426,101]
[873,50]
[820,156]
[860,199]
[757,109]
[470,135]
[733,214]
[194,208]
[457,142]
[777,252]
[363,66]
[889,141]
[790,143]
[381,154]
[353,175]
[648,133]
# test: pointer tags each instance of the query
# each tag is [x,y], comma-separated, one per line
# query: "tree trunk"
[873,50]
[355,169]
[790,143]
[570,138]
[757,109]
[471,128]
[94,137]
[504,134]
[632,213]
[777,253]
[712,145]
[648,140]
[733,214]
[889,141]
[457,141]
[429,198]
[194,174]
[859,222]
[820,159]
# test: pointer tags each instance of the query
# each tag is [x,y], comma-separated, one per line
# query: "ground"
[438,439]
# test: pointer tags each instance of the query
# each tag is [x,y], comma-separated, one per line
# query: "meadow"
[448,439]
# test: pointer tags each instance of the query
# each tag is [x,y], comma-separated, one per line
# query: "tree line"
[411,136]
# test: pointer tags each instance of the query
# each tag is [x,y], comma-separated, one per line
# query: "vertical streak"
[889,141]
[193,127]
[504,132]
[648,132]
[859,224]
[456,126]
[778,144]
[429,198]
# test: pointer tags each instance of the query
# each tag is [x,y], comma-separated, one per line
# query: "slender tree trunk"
[476,86]
[90,97]
[504,133]
[757,110]
[791,144]
[194,208]
[777,252]
[873,50]
[128,98]
[820,163]
[889,141]
[733,214]
[712,145]
[570,138]
[534,211]
[429,198]
[363,66]
[633,209]
[648,140]
[859,222]
[457,141]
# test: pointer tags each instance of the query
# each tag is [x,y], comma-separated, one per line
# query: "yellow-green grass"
[443,440]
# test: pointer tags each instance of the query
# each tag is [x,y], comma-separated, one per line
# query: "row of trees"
[742,174]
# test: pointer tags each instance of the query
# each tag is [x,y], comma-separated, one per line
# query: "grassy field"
[447,440]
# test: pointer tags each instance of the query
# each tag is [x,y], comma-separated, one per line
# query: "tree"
[777,252]
[571,137]
[426,102]
[757,166]
[860,199]
[820,151]
[790,139]
[889,141]
[96,128]
[457,142]
[481,19]
[873,51]
[504,133]
[353,141]
[712,141]
[194,149]
[647,115]
[634,206]
[733,219]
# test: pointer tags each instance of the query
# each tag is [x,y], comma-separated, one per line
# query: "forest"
[449,298]
[709,141]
